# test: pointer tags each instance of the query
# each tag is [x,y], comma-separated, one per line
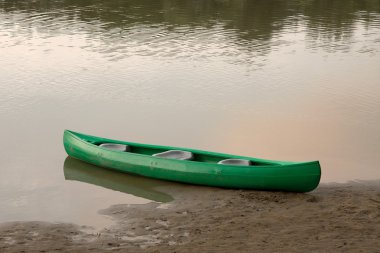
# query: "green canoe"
[201,168]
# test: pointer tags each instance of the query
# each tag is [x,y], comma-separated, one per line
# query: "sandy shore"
[333,218]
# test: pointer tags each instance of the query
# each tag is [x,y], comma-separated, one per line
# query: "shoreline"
[335,217]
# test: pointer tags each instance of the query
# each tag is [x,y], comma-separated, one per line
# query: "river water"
[283,80]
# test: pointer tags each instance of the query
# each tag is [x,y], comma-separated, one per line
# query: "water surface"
[284,80]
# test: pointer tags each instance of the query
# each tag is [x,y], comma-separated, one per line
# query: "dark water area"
[283,80]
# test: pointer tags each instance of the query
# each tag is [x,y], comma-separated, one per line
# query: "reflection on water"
[122,182]
[277,79]
[241,29]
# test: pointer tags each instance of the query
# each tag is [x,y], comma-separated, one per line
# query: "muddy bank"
[333,218]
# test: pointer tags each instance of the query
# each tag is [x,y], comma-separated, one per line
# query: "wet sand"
[333,218]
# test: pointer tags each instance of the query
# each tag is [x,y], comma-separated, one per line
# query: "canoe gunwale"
[222,155]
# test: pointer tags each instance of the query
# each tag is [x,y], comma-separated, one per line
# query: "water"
[284,80]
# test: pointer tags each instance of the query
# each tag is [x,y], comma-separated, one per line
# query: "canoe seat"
[239,162]
[115,147]
[176,154]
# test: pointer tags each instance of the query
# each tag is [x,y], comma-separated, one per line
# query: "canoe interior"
[149,150]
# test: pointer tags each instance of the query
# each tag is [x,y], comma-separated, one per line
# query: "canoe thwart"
[176,154]
[239,162]
[115,147]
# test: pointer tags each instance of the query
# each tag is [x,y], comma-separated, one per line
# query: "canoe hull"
[276,175]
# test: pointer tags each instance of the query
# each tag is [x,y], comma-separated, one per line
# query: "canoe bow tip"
[69,131]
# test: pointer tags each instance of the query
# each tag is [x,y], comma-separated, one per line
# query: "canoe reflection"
[138,186]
